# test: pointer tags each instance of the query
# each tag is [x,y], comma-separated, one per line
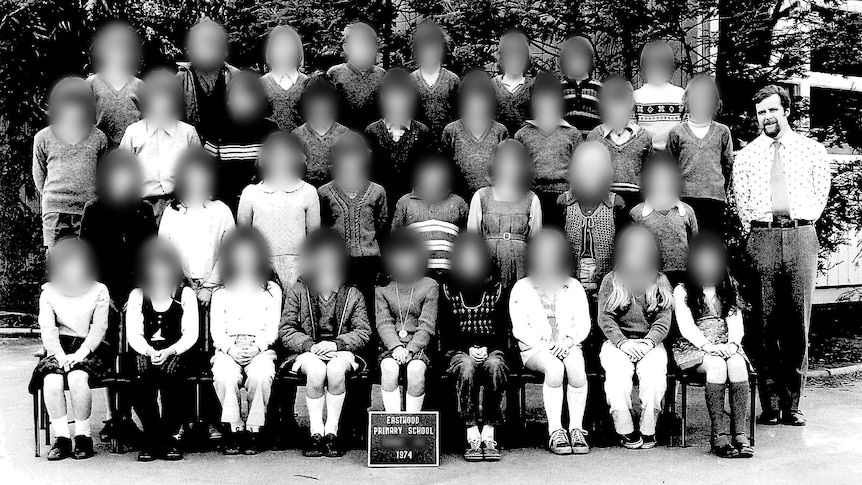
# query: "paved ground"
[828,451]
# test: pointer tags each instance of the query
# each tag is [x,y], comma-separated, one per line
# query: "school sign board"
[403,439]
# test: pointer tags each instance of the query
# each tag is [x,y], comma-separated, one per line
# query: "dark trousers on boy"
[710,214]
[158,427]
[469,376]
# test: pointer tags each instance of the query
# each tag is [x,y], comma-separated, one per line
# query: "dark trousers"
[710,214]
[552,213]
[470,377]
[176,396]
[785,260]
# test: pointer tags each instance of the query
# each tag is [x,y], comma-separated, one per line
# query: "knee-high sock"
[577,397]
[715,406]
[334,403]
[414,403]
[315,414]
[82,427]
[739,392]
[553,397]
[61,426]
[392,400]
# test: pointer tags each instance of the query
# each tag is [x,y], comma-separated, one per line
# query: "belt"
[781,223]
[506,236]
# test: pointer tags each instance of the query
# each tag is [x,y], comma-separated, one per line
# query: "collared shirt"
[512,86]
[396,131]
[806,172]
[648,208]
[158,148]
[620,137]
[560,123]
[286,80]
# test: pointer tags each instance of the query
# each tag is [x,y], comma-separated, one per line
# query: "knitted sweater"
[475,322]
[84,316]
[632,322]
[360,220]
[550,152]
[318,151]
[408,307]
[627,158]
[115,110]
[251,312]
[394,160]
[437,103]
[359,91]
[437,222]
[472,155]
[581,100]
[658,109]
[673,231]
[284,103]
[705,163]
[284,217]
[64,174]
[301,320]
[513,107]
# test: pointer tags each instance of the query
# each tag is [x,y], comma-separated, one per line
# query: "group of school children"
[312,217]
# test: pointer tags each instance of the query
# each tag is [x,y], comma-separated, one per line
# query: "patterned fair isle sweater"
[437,103]
[359,90]
[437,222]
[360,220]
[627,158]
[472,155]
[581,103]
[658,109]
[478,320]
[284,103]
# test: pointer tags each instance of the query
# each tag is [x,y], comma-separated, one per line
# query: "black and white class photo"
[430,241]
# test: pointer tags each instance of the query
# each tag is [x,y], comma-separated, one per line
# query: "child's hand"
[401,355]
[62,359]
[205,295]
[633,349]
[477,354]
[717,350]
[162,356]
[645,345]
[325,347]
[557,351]
[77,357]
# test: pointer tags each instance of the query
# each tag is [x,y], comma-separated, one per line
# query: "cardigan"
[632,322]
[438,223]
[200,106]
[360,221]
[284,103]
[394,160]
[412,309]
[115,109]
[437,103]
[359,91]
[84,316]
[254,314]
[627,158]
[300,320]
[64,174]
[705,163]
[472,155]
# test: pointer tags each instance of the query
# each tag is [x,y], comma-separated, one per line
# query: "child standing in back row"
[319,108]
[513,85]
[358,78]
[437,85]
[580,91]
[65,155]
[284,83]
[116,57]
[658,103]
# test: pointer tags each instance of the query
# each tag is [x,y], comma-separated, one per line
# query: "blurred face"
[198,183]
[476,107]
[658,68]
[73,114]
[283,53]
[397,104]
[590,173]
[161,105]
[245,260]
[636,257]
[325,264]
[577,64]
[433,182]
[470,262]
[207,47]
[123,183]
[73,271]
[429,55]
[321,110]
[243,103]
[361,49]
[771,116]
[351,166]
[508,171]
[281,161]
[616,113]
[546,263]
[707,266]
[405,265]
[116,48]
[547,107]
[662,187]
[161,273]
[512,57]
[701,101]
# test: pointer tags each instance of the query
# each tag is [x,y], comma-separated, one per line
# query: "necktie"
[780,199]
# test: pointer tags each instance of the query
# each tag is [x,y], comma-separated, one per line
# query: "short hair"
[129,35]
[287,141]
[521,154]
[249,81]
[478,83]
[319,240]
[164,82]
[190,158]
[616,88]
[514,39]
[773,89]
[429,32]
[433,161]
[351,28]
[547,83]
[118,159]
[657,50]
[292,34]
[203,23]
[580,44]
[404,240]
[658,160]
[349,143]
[702,79]
[71,91]
[397,79]
[67,248]
[319,88]
[245,235]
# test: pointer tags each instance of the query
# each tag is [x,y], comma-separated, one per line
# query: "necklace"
[403,317]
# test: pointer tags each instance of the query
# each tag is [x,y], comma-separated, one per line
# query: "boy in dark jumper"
[437,85]
[358,78]
[319,133]
[580,90]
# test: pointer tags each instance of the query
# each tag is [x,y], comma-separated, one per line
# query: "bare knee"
[576,375]
[53,383]
[715,369]
[315,375]
[389,370]
[336,371]
[737,369]
[554,373]
[78,381]
[416,372]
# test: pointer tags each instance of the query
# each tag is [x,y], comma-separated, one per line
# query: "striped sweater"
[240,142]
[437,222]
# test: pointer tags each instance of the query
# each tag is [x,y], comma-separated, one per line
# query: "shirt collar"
[270,188]
[560,123]
[570,199]
[390,126]
[357,70]
[631,126]
[170,128]
[648,208]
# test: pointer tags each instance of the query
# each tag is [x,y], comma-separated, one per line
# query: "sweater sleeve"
[727,158]
[272,314]
[190,324]
[474,217]
[427,321]
[40,167]
[536,215]
[245,209]
[48,326]
[218,321]
[99,324]
[385,320]
[607,320]
[135,323]
[360,329]
[581,324]
[381,220]
[290,332]
[660,324]
[684,320]
[672,145]
[399,219]
[312,212]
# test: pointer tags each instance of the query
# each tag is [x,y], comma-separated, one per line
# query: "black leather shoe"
[768,418]
[146,454]
[230,443]
[172,451]
[61,449]
[332,446]
[83,448]
[793,418]
[315,446]
[252,443]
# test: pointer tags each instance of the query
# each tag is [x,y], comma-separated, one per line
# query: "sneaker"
[558,443]
[332,446]
[722,448]
[649,442]
[146,455]
[769,418]
[172,451]
[107,431]
[474,450]
[490,450]
[315,446]
[215,433]
[578,438]
[230,443]
[743,446]
[631,441]
[61,449]
[83,448]
[793,418]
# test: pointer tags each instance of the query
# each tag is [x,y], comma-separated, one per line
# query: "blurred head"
[577,57]
[319,101]
[195,176]
[476,96]
[772,106]
[549,256]
[159,266]
[433,178]
[117,46]
[72,103]
[591,171]
[398,94]
[657,62]
[244,254]
[324,260]
[207,45]
[707,260]
[284,50]
[547,97]
[511,165]
[429,43]
[405,257]
[637,258]
[471,261]
[71,264]
[119,178]
[161,95]
[359,41]
[661,181]
[351,157]
[246,99]
[513,52]
[282,155]
[616,102]
[701,99]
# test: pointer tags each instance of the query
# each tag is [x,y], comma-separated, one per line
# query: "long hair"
[191,158]
[227,257]
[160,250]
[659,294]
[473,239]
[727,289]
[290,33]
[519,151]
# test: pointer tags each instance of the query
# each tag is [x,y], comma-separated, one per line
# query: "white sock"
[553,406]
[61,427]
[315,414]
[334,403]
[488,432]
[577,397]
[392,400]
[414,403]
[237,427]
[254,429]
[473,433]
[82,427]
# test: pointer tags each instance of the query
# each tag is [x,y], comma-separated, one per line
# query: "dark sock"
[715,407]
[739,392]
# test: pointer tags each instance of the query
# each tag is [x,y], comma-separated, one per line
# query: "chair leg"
[683,412]
[522,407]
[116,446]
[46,421]
[37,423]
[751,418]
